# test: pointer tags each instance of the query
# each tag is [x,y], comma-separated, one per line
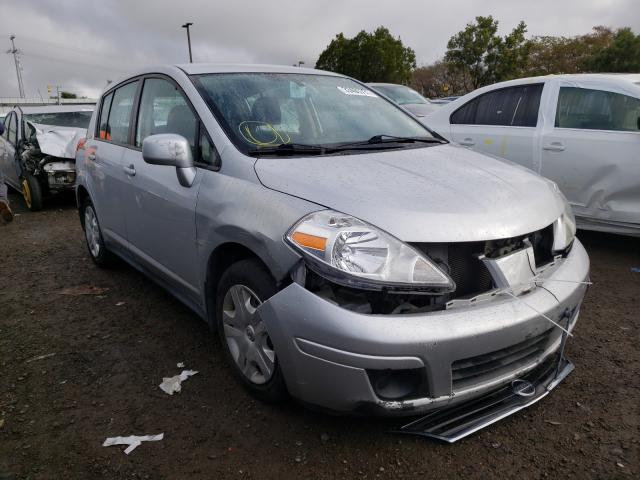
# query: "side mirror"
[171,150]
[2,128]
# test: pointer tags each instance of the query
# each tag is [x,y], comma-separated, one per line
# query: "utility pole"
[16,59]
[187,25]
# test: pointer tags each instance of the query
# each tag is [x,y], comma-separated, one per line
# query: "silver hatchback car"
[346,255]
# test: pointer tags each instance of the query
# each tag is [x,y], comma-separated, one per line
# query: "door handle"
[130,170]
[554,147]
[467,142]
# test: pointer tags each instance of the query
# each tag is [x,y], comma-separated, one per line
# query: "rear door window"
[513,106]
[119,118]
[590,109]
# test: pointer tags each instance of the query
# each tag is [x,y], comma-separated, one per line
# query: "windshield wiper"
[376,140]
[289,149]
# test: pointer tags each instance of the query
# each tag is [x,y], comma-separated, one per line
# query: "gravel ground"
[76,369]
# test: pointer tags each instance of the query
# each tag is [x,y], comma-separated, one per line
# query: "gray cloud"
[80,44]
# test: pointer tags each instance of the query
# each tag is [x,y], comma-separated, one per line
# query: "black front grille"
[474,370]
[469,273]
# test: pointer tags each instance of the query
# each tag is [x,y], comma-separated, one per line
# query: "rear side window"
[512,106]
[589,109]
[119,116]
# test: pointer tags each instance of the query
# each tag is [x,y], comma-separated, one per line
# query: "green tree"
[64,94]
[549,54]
[437,80]
[369,57]
[621,55]
[482,57]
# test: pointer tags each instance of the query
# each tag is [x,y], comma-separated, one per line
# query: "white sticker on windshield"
[361,92]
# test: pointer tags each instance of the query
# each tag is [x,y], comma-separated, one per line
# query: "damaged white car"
[581,131]
[38,147]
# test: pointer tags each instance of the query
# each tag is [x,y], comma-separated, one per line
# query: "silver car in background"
[406,97]
[346,256]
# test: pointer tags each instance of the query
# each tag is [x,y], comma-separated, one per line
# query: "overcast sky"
[80,44]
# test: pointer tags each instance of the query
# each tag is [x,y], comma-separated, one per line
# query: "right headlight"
[564,228]
[350,252]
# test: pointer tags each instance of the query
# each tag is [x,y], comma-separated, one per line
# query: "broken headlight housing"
[564,228]
[350,252]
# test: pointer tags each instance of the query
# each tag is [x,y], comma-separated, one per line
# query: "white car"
[581,131]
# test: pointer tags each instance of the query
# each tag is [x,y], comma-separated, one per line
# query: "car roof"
[56,108]
[199,68]
[606,77]
[204,68]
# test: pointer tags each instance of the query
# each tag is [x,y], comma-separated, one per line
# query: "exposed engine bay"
[462,261]
[48,153]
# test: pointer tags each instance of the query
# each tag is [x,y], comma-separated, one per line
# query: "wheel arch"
[81,195]
[221,258]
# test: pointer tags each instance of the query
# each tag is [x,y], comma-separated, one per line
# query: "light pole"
[187,25]
[16,59]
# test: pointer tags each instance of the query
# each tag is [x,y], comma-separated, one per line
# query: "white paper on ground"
[173,384]
[133,441]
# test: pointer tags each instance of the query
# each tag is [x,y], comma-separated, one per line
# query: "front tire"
[243,335]
[32,192]
[93,236]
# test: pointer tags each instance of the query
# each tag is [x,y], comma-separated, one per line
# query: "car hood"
[58,141]
[443,193]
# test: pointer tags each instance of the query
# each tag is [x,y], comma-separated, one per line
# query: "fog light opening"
[398,384]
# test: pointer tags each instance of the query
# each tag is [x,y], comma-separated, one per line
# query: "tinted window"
[513,106]
[163,109]
[120,113]
[104,117]
[597,110]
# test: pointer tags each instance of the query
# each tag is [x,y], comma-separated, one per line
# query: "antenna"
[16,59]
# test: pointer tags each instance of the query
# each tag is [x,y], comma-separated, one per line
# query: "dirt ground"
[77,369]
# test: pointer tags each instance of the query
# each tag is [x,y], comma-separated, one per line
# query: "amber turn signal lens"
[309,241]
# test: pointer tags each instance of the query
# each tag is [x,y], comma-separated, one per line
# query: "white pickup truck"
[581,131]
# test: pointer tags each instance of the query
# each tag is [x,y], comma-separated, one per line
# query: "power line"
[72,62]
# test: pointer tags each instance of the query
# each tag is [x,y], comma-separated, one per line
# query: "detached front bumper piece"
[452,424]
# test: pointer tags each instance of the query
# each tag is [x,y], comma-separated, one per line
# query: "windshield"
[260,110]
[400,94]
[61,119]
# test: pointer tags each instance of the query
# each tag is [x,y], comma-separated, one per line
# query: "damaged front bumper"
[401,365]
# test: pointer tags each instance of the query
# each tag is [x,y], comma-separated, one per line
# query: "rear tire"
[102,257]
[243,336]
[31,192]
